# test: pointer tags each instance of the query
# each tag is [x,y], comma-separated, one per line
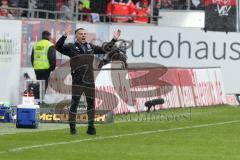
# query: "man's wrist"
[114,39]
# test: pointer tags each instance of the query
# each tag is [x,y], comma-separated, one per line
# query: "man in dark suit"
[81,61]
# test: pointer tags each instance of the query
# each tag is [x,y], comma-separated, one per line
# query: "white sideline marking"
[115,136]
[10,128]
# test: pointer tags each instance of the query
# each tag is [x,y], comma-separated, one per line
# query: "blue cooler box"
[5,114]
[27,116]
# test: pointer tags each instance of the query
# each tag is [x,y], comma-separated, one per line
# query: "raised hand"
[67,32]
[117,34]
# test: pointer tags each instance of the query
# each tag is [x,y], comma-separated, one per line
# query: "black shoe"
[72,126]
[91,130]
[73,131]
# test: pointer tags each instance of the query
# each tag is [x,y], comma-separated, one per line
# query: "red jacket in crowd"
[4,12]
[120,7]
[142,10]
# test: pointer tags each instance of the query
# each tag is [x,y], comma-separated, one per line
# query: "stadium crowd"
[137,11]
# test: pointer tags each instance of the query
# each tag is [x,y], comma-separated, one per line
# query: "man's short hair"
[79,30]
[46,35]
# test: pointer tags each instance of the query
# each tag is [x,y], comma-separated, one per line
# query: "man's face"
[81,36]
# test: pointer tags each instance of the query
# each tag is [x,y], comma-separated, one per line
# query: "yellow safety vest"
[86,4]
[41,55]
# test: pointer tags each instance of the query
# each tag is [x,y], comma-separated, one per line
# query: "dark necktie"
[84,48]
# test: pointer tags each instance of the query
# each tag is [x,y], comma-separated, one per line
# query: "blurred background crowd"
[132,11]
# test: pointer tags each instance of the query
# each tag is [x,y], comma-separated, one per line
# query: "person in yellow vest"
[43,58]
[86,9]
[86,4]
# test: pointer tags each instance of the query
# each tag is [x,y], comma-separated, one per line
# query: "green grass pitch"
[206,133]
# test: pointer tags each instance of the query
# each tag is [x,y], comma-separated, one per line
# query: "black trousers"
[79,87]
[43,75]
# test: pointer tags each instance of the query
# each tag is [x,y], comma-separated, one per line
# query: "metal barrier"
[23,13]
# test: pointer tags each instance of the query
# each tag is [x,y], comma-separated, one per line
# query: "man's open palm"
[117,34]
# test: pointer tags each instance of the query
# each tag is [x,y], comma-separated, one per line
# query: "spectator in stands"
[3,11]
[124,8]
[180,4]
[67,11]
[156,7]
[32,5]
[48,6]
[23,4]
[13,12]
[142,10]
[43,58]
[84,5]
[166,4]
[99,6]
[59,4]
[80,10]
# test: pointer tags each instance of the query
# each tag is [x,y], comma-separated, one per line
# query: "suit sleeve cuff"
[114,40]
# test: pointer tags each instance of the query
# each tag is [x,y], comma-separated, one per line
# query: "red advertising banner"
[125,91]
